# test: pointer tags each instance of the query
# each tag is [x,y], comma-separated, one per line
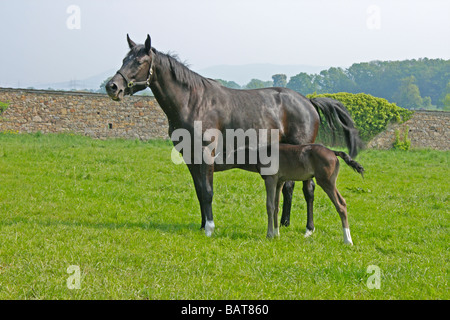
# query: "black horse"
[186,97]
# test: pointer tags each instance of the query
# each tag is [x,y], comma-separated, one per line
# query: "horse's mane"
[181,71]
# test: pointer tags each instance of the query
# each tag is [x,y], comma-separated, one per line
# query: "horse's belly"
[224,167]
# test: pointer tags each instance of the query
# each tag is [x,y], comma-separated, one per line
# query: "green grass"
[129,218]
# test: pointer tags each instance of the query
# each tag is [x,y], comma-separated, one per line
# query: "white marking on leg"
[209,228]
[347,236]
[276,232]
[309,232]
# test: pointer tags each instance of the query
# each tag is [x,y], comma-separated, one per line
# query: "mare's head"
[135,73]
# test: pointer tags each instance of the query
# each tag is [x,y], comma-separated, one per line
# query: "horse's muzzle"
[114,90]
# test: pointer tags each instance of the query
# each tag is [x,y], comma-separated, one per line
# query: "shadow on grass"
[171,227]
[221,232]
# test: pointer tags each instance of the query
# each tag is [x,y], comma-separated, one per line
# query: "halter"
[146,83]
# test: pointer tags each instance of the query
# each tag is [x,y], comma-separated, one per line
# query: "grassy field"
[128,219]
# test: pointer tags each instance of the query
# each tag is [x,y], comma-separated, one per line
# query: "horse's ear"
[131,43]
[148,44]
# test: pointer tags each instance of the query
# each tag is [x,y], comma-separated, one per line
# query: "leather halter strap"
[147,82]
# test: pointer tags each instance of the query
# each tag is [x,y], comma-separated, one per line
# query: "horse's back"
[272,108]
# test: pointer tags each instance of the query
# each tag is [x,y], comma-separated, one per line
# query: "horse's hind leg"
[329,186]
[288,190]
[308,192]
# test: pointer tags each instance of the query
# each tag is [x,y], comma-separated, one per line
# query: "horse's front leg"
[207,196]
[202,174]
[195,173]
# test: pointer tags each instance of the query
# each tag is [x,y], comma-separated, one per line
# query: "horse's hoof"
[285,223]
[309,232]
[209,228]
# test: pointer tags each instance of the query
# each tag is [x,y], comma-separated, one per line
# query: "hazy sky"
[58,40]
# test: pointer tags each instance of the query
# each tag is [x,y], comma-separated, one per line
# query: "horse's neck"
[168,96]
[171,95]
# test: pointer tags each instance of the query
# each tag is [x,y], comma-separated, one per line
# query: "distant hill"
[242,74]
[91,83]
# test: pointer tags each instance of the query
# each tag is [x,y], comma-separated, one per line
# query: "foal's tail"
[352,163]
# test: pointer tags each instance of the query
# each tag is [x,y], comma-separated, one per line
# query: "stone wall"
[140,117]
[427,129]
[90,114]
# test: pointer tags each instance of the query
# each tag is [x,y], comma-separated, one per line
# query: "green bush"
[402,144]
[371,114]
[3,106]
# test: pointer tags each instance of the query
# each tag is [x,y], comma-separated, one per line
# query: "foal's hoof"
[347,236]
[309,232]
[275,234]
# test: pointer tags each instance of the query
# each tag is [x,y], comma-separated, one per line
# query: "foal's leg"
[343,214]
[308,192]
[288,190]
[271,188]
[341,208]
[330,189]
[277,208]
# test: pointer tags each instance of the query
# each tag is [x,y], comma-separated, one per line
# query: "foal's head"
[135,73]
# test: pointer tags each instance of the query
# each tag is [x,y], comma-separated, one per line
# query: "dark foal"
[303,162]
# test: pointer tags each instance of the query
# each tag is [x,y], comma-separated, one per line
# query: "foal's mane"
[180,70]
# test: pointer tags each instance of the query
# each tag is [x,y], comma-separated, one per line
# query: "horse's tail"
[336,114]
[352,163]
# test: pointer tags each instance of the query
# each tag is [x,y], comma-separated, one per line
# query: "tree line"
[411,84]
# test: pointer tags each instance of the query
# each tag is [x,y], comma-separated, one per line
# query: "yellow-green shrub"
[371,114]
